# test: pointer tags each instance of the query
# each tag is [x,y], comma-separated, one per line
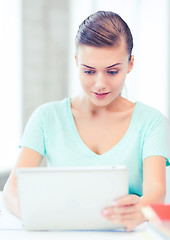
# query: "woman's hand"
[126,211]
[10,191]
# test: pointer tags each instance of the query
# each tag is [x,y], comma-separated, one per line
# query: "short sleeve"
[33,136]
[157,139]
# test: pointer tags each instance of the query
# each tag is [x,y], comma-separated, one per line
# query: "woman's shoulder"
[147,110]
[52,106]
[148,115]
[50,111]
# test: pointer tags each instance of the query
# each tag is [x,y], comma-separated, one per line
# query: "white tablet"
[69,198]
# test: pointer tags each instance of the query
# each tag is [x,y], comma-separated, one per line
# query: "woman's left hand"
[125,211]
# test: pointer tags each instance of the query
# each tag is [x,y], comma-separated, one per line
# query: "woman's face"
[102,72]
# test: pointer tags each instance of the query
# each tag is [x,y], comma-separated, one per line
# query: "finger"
[119,210]
[124,217]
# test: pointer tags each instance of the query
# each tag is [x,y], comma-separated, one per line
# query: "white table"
[11,234]
[11,228]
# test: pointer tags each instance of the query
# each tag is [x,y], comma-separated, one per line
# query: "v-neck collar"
[79,140]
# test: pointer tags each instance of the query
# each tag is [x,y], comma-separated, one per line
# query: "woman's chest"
[102,135]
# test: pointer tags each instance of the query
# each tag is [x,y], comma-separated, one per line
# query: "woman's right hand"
[27,158]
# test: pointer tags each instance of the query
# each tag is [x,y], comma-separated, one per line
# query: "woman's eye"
[112,72]
[88,71]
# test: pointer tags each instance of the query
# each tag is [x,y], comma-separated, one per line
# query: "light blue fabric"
[51,131]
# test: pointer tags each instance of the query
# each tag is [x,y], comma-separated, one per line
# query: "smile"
[101,95]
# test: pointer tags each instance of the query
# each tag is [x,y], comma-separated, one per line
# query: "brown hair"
[102,29]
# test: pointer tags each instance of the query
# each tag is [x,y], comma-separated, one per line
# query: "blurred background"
[37,58]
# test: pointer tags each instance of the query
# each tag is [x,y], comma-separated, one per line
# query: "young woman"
[100,127]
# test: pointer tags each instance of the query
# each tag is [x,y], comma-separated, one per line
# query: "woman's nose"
[99,82]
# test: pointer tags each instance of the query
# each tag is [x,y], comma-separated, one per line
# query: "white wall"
[10,81]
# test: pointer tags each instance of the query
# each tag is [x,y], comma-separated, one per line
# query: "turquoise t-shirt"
[51,131]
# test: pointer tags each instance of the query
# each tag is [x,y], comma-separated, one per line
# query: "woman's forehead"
[103,56]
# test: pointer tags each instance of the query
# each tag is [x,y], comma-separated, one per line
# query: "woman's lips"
[101,95]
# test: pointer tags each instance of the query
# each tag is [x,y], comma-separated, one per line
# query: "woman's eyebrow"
[87,66]
[113,65]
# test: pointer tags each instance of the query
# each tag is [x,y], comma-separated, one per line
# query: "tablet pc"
[69,198]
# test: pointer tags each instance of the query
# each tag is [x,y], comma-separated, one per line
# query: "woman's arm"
[127,210]
[27,158]
[154,180]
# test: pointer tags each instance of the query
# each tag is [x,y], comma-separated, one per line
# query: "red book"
[162,211]
[158,216]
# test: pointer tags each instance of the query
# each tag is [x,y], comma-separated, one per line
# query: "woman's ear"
[131,63]
[76,60]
